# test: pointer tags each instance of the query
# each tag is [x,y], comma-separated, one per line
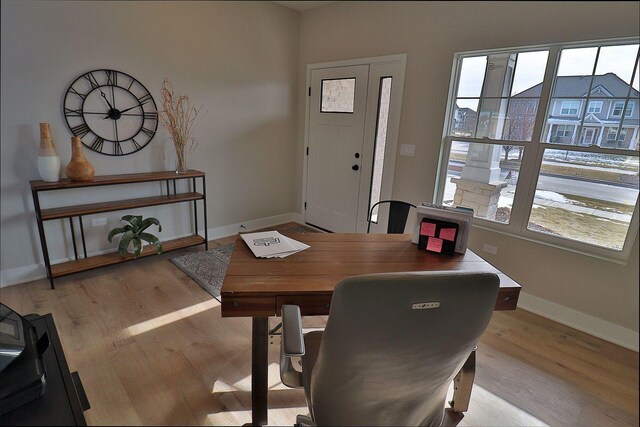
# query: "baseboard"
[583,322]
[28,273]
[230,230]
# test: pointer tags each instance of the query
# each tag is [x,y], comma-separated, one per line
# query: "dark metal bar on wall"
[84,245]
[43,240]
[204,204]
[73,237]
[195,206]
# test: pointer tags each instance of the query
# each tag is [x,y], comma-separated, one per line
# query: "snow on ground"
[552,196]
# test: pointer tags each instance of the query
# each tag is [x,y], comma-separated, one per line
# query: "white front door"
[335,140]
[353,118]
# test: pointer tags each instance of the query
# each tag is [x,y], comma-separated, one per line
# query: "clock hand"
[113,97]
[131,108]
[127,109]
[105,98]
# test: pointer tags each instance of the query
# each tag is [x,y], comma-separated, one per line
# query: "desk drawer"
[250,307]
[310,305]
[507,300]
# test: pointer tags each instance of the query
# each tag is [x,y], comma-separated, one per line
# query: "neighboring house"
[604,111]
[464,121]
[602,119]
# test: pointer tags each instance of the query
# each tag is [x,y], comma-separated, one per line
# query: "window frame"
[628,107]
[599,105]
[569,113]
[532,156]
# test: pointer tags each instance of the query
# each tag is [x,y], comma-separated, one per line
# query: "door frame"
[393,127]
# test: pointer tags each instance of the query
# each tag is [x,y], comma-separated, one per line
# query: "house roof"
[578,86]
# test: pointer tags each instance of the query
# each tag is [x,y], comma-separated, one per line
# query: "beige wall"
[238,59]
[430,33]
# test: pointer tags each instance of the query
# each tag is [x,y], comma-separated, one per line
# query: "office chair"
[392,345]
[398,213]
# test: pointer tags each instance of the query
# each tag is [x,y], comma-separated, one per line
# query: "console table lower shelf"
[64,400]
[83,264]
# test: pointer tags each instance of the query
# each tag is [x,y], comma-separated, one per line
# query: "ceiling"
[302,5]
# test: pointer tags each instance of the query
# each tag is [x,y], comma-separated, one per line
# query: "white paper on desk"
[299,247]
[270,244]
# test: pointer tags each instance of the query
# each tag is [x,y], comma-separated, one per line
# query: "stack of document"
[271,244]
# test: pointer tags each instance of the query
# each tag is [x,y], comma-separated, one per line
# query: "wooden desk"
[258,288]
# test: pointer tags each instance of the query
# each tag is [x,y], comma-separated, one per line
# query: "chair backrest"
[385,359]
[398,213]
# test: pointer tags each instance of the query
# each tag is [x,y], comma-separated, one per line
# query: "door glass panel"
[586,197]
[381,140]
[338,95]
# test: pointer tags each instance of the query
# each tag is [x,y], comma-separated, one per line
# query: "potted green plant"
[133,234]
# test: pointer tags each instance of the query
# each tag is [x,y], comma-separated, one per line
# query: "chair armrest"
[292,338]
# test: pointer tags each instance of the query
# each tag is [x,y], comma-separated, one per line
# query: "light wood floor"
[151,348]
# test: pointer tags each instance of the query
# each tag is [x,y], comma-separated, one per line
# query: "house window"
[570,108]
[617,109]
[564,131]
[595,107]
[585,190]
[611,134]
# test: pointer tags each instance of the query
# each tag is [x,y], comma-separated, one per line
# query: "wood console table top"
[39,185]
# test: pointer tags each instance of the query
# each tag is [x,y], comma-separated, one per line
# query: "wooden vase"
[79,169]
[48,159]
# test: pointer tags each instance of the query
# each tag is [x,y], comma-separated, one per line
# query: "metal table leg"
[259,370]
[463,383]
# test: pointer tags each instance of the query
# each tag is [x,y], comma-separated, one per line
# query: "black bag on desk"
[22,378]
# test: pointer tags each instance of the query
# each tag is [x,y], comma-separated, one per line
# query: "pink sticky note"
[434,244]
[448,234]
[428,229]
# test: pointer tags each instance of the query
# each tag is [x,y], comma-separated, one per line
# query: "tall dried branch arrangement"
[179,117]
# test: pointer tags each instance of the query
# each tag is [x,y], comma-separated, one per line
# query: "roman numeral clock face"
[111,112]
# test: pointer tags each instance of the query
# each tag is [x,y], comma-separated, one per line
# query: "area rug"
[207,268]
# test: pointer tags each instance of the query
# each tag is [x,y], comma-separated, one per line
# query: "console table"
[88,263]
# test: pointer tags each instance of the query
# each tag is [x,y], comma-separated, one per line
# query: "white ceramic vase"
[48,159]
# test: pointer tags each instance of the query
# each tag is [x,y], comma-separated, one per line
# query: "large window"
[566,175]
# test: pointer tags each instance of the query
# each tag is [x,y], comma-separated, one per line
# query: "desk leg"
[259,370]
[463,383]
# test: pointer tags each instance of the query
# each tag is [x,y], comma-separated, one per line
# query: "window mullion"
[532,158]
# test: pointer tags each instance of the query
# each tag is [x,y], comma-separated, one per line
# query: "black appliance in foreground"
[22,370]
[64,402]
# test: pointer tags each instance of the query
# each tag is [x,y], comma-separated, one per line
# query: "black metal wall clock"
[112,112]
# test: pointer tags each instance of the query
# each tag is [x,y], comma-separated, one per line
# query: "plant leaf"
[124,242]
[128,218]
[137,247]
[114,232]
[148,223]
[153,240]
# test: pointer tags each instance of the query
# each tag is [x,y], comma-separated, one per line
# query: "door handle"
[357,155]
[355,167]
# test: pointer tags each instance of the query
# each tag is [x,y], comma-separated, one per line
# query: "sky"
[530,68]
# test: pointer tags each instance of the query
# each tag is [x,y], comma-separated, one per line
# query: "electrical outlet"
[407,150]
[493,250]
[97,222]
